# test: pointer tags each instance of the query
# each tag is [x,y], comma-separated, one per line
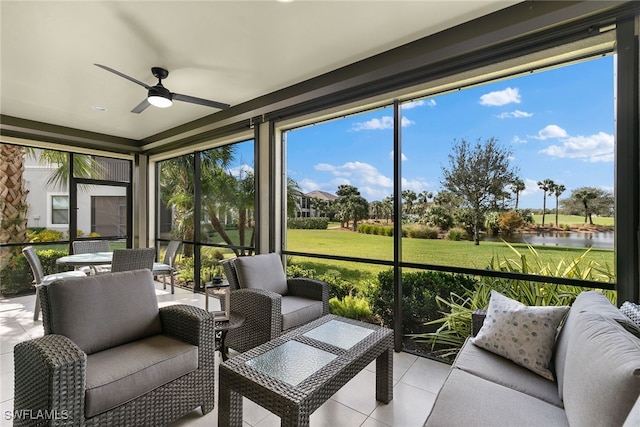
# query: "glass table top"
[339,334]
[291,362]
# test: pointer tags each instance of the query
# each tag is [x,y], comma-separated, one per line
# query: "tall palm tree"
[557,190]
[517,187]
[545,185]
[13,200]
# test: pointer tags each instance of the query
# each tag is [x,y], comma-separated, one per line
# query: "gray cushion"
[297,311]
[123,373]
[262,272]
[602,373]
[633,419]
[590,301]
[100,312]
[497,369]
[468,400]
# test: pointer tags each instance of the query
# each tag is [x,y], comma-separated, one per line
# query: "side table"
[223,326]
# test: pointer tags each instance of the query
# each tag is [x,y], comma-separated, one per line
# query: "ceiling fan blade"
[141,107]
[199,101]
[104,67]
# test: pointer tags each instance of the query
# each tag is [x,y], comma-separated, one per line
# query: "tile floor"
[416,379]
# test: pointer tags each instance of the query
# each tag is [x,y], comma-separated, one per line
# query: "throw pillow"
[632,311]
[525,335]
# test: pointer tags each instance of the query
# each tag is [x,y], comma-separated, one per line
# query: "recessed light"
[98,108]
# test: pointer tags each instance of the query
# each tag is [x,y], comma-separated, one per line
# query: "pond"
[574,239]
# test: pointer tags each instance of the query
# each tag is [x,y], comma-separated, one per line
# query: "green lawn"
[438,252]
[572,219]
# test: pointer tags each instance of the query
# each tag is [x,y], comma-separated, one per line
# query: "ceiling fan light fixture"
[159,101]
[159,97]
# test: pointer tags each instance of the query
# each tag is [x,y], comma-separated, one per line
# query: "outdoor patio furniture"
[90,247]
[297,372]
[110,356]
[40,278]
[595,356]
[270,303]
[166,267]
[133,259]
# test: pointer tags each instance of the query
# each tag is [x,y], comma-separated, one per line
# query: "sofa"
[593,375]
[110,356]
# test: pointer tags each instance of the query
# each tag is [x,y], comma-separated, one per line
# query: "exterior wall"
[40,195]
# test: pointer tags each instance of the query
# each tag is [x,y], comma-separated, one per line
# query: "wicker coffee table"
[296,373]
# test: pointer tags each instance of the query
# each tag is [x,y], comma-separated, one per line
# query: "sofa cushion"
[525,335]
[468,400]
[297,311]
[123,373]
[104,311]
[497,369]
[262,272]
[602,372]
[590,301]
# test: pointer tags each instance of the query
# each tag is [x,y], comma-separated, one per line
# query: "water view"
[573,239]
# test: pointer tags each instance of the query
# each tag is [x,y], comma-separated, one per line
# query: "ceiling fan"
[160,96]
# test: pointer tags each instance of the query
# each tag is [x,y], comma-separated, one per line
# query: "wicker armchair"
[111,357]
[270,303]
[166,268]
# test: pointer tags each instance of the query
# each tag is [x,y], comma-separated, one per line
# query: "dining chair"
[40,278]
[133,259]
[167,267]
[90,247]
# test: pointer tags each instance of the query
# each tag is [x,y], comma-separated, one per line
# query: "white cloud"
[551,131]
[385,122]
[530,187]
[404,158]
[420,103]
[517,140]
[516,114]
[413,104]
[308,185]
[358,173]
[241,171]
[501,97]
[416,185]
[594,148]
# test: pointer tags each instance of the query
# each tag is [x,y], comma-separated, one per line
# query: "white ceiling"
[228,51]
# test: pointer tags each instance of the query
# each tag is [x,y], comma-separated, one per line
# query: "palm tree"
[13,200]
[545,186]
[517,187]
[408,197]
[557,190]
[387,207]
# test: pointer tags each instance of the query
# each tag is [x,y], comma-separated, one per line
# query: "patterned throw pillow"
[525,335]
[632,311]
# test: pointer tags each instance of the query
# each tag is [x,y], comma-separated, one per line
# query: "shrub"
[422,232]
[437,216]
[376,229]
[351,307]
[526,215]
[338,286]
[308,223]
[457,234]
[509,222]
[419,290]
[455,325]
[48,236]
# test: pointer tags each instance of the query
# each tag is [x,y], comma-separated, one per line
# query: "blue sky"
[558,123]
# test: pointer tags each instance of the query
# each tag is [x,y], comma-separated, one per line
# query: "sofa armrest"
[262,311]
[49,376]
[310,288]
[477,319]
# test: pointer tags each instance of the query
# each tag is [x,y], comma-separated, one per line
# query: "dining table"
[80,260]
